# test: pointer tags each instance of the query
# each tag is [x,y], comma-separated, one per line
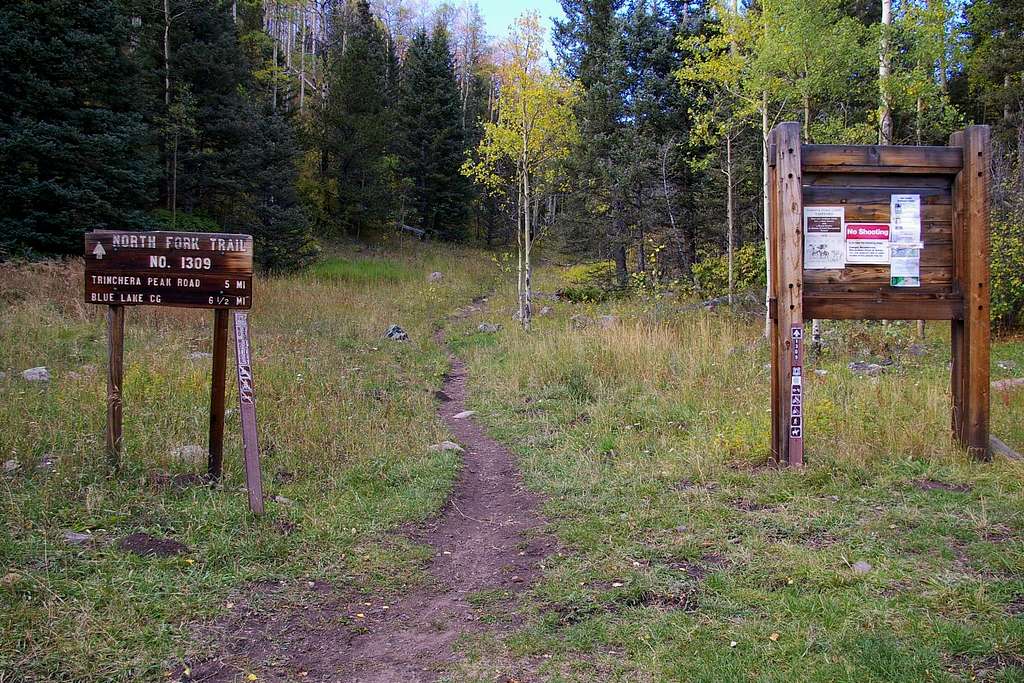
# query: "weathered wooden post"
[115,381]
[787,290]
[217,391]
[970,333]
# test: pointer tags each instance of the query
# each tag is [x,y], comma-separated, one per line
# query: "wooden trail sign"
[916,248]
[190,269]
[182,269]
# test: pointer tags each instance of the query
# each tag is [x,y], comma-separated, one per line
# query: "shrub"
[711,274]
[1007,271]
[591,282]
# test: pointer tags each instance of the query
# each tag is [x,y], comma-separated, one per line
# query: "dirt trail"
[481,543]
[486,537]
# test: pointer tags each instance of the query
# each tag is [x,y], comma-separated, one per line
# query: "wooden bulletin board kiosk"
[879,233]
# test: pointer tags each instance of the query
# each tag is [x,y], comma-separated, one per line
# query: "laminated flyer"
[905,240]
[867,243]
[824,239]
[905,267]
[905,218]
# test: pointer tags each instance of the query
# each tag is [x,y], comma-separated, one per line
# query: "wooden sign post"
[183,269]
[916,248]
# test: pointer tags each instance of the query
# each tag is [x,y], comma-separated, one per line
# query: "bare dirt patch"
[935,485]
[487,537]
[145,545]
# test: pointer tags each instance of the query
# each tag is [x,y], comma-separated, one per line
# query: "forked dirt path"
[486,538]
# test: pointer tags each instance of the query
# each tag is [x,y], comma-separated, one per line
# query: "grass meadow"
[683,555]
[345,418]
[686,557]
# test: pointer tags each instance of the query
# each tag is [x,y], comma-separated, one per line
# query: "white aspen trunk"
[519,248]
[884,69]
[766,203]
[943,82]
[729,209]
[815,323]
[171,180]
[167,52]
[527,240]
[302,60]
[273,74]
[174,185]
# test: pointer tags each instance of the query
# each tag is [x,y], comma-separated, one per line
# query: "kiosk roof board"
[938,195]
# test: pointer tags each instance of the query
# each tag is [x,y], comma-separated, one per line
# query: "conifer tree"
[430,118]
[355,127]
[73,156]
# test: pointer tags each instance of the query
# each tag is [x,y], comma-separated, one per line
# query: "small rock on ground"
[918,350]
[39,374]
[545,310]
[435,277]
[77,538]
[866,369]
[464,414]
[396,333]
[579,321]
[488,328]
[820,372]
[199,355]
[281,500]
[445,446]
[607,321]
[1001,364]
[11,465]
[861,567]
[1007,384]
[192,454]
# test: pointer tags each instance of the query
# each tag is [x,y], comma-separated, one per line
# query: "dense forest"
[639,141]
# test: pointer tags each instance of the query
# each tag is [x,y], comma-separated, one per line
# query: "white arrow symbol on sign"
[99,252]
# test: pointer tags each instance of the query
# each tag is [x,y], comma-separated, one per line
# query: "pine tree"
[72,141]
[235,168]
[430,119]
[590,50]
[354,127]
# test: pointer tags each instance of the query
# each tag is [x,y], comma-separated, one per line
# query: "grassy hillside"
[345,419]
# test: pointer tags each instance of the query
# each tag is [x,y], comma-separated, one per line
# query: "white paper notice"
[905,217]
[824,239]
[905,240]
[867,243]
[905,267]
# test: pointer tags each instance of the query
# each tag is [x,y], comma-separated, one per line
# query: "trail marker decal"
[796,400]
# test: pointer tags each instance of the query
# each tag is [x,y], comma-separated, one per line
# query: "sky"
[499,14]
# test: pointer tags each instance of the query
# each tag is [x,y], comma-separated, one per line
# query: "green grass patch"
[360,271]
